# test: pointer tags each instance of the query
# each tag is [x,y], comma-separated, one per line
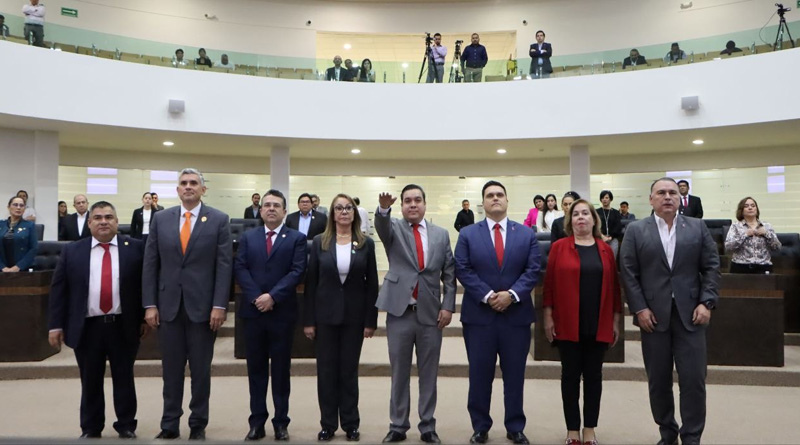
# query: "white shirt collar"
[195,211]
[503,223]
[422,224]
[113,242]
[277,229]
[662,223]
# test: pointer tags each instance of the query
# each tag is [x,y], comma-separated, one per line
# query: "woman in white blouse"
[750,240]
[544,221]
[140,221]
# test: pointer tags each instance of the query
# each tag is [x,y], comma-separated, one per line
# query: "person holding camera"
[436,57]
[473,59]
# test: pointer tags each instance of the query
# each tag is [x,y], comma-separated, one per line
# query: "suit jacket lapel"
[353,253]
[199,225]
[85,267]
[655,237]
[680,237]
[411,242]
[487,241]
[278,241]
[511,236]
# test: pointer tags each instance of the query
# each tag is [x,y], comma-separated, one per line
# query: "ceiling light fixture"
[355,151]
[347,46]
[698,142]
[501,151]
[168,143]
[404,65]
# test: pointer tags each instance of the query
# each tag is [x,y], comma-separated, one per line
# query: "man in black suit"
[254,211]
[540,53]
[155,201]
[464,217]
[690,205]
[634,60]
[307,221]
[96,309]
[557,228]
[337,73]
[76,225]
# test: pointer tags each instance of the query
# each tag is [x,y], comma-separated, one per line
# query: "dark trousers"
[687,351]
[268,347]
[38,34]
[750,268]
[182,340]
[484,344]
[101,341]
[338,350]
[583,358]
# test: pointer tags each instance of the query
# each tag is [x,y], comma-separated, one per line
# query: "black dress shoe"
[430,437]
[256,433]
[127,434]
[168,435]
[197,434]
[353,435]
[518,437]
[325,435]
[479,437]
[394,436]
[668,442]
[90,436]
[281,433]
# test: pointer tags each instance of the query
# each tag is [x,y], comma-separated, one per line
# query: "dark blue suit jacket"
[25,243]
[69,290]
[279,274]
[535,54]
[479,272]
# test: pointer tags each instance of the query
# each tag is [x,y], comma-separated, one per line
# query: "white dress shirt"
[668,237]
[146,215]
[81,221]
[34,15]
[362,213]
[343,252]
[195,213]
[304,222]
[274,236]
[423,234]
[503,224]
[96,275]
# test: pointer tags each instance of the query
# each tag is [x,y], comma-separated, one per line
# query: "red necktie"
[269,241]
[420,254]
[498,244]
[686,201]
[106,299]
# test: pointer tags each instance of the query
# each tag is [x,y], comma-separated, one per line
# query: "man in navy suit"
[540,57]
[689,205]
[497,262]
[96,309]
[270,263]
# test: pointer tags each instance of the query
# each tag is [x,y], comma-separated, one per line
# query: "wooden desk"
[24,297]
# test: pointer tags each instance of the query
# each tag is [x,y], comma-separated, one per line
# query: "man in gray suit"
[186,286]
[670,269]
[420,257]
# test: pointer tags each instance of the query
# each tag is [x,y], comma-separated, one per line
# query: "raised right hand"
[385,200]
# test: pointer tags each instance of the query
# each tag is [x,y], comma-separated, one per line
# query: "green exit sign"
[69,12]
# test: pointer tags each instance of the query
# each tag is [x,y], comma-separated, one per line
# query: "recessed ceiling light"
[501,151]
[347,46]
[404,65]
[168,143]
[355,151]
[698,142]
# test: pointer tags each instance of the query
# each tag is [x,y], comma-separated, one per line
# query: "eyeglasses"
[342,209]
[16,204]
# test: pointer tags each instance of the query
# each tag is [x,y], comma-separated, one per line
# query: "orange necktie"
[186,231]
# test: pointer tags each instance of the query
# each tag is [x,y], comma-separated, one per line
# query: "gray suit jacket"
[202,277]
[649,281]
[403,275]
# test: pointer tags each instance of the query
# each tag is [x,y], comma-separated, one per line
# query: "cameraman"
[436,57]
[473,59]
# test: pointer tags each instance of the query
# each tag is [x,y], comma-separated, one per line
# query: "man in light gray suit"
[670,269]
[420,257]
[186,286]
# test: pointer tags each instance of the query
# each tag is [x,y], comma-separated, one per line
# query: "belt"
[440,63]
[110,318]
[33,24]
[412,308]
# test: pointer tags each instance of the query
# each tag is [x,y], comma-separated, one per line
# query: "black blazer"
[344,75]
[463,219]
[695,208]
[318,222]
[535,54]
[557,230]
[137,221]
[614,221]
[248,214]
[331,302]
[639,61]
[69,229]
[69,289]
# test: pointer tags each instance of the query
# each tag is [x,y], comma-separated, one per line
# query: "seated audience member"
[730,48]
[750,240]
[178,59]
[366,73]
[623,211]
[533,213]
[610,221]
[142,217]
[337,73]
[254,211]
[62,212]
[19,238]
[544,220]
[634,59]
[203,59]
[225,63]
[3,27]
[155,201]
[30,212]
[675,54]
[353,70]
[557,231]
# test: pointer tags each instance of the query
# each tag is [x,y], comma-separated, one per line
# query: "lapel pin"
[355,243]
[283,236]
[204,219]
[126,243]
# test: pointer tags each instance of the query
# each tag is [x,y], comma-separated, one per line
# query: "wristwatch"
[710,305]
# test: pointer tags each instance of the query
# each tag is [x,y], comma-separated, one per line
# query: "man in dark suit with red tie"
[270,263]
[497,262]
[690,205]
[96,309]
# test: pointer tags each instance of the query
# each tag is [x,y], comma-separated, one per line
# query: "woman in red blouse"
[582,310]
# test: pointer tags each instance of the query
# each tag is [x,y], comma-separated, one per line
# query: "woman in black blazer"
[340,293]
[142,214]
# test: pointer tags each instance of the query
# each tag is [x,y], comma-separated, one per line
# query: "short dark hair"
[489,184]
[153,194]
[665,178]
[62,202]
[356,200]
[540,31]
[23,191]
[675,44]
[2,17]
[634,49]
[730,45]
[305,195]
[437,34]
[607,192]
[466,200]
[255,194]
[413,187]
[624,203]
[102,205]
[277,193]
[683,181]
[201,49]
[178,51]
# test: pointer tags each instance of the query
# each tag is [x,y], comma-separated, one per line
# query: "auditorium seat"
[542,236]
[544,250]
[246,224]
[790,244]
[291,75]
[67,48]
[124,229]
[719,229]
[310,76]
[39,231]
[47,253]
[236,232]
[304,70]
[766,48]
[495,78]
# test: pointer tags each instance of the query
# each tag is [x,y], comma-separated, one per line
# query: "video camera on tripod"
[428,39]
[781,9]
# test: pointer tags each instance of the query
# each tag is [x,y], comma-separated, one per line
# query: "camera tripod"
[781,27]
[427,60]
[455,68]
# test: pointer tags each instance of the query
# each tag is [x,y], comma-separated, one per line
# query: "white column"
[279,169]
[579,166]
